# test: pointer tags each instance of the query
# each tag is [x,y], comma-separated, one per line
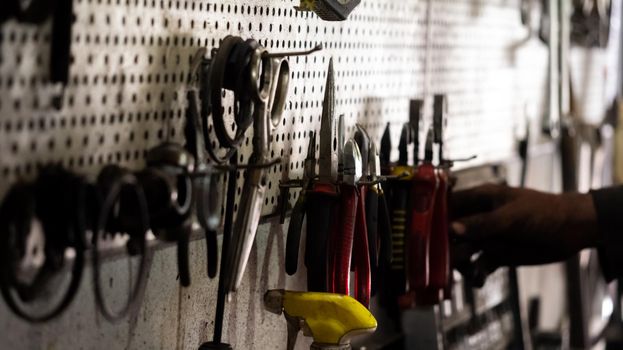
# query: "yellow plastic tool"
[331,319]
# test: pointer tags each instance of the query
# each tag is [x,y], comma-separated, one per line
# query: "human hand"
[507,226]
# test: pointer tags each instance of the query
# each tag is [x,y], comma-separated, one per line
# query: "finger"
[480,226]
[477,200]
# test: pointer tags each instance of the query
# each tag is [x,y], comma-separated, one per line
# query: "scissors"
[267,80]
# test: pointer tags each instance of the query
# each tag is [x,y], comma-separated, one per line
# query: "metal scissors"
[268,81]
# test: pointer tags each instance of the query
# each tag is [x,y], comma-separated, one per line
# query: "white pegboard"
[128,78]
[130,67]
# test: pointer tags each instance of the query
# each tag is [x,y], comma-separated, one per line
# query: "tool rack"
[129,71]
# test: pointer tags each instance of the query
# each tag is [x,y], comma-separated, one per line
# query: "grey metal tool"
[206,190]
[298,212]
[268,83]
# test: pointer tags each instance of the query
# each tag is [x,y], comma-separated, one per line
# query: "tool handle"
[294,235]
[384,230]
[400,203]
[212,250]
[361,255]
[418,240]
[341,242]
[320,203]
[183,267]
[439,249]
[372,225]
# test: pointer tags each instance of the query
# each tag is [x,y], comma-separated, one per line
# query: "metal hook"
[293,53]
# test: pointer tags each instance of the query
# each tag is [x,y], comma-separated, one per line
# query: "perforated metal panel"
[130,71]
[128,78]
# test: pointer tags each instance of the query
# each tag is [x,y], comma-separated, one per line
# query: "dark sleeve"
[609,207]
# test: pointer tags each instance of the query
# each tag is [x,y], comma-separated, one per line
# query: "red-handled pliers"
[424,189]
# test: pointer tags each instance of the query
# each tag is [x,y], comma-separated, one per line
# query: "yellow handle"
[331,318]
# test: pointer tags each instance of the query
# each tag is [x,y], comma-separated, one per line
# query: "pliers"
[298,212]
[423,192]
[377,219]
[322,199]
[343,234]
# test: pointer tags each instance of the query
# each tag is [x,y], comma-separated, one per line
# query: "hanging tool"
[123,211]
[439,256]
[298,212]
[168,189]
[322,200]
[424,186]
[331,319]
[341,241]
[329,10]
[216,343]
[378,220]
[369,199]
[400,203]
[58,200]
[267,77]
[206,192]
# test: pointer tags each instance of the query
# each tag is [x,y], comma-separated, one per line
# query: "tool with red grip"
[322,199]
[439,254]
[343,235]
[361,256]
[424,186]
[439,246]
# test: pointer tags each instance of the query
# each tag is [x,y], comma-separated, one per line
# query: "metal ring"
[114,191]
[281,92]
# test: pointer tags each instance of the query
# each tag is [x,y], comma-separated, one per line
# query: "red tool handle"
[418,239]
[439,249]
[341,246]
[361,255]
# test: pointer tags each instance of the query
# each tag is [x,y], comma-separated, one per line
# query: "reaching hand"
[513,226]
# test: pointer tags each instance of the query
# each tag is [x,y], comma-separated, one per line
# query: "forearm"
[608,204]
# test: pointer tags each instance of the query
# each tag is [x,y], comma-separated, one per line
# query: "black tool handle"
[294,235]
[372,218]
[384,231]
[212,249]
[400,205]
[183,266]
[319,210]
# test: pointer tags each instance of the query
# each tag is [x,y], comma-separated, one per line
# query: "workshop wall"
[128,77]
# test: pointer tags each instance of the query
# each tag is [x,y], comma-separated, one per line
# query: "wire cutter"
[377,218]
[322,199]
[298,212]
[349,241]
